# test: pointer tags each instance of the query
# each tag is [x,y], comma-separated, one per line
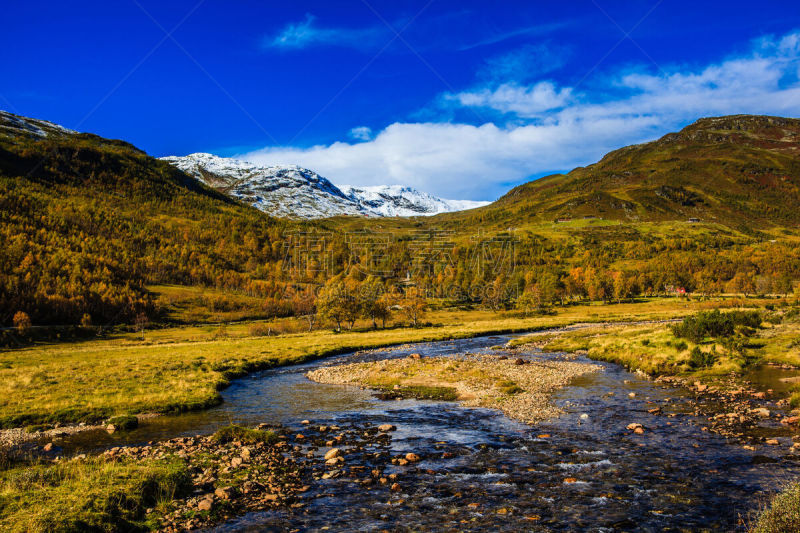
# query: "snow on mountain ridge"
[295,192]
[284,191]
[404,201]
[32,126]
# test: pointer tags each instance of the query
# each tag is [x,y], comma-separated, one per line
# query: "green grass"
[88,495]
[244,435]
[195,305]
[656,350]
[782,515]
[180,369]
[124,422]
[421,392]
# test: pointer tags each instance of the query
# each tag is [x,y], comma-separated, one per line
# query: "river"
[581,471]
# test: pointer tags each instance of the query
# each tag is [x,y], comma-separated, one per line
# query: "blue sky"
[461,99]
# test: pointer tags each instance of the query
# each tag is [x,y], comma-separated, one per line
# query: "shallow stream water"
[572,473]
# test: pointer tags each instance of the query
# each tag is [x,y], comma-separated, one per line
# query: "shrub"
[681,346]
[701,359]
[220,333]
[716,324]
[509,387]
[244,435]
[783,513]
[260,330]
[124,422]
[34,428]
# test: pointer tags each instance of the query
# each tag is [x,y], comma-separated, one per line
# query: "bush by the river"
[716,324]
[783,513]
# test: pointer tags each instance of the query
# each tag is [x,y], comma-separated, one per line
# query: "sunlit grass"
[184,368]
[87,495]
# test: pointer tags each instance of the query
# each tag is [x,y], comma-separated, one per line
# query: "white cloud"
[361,133]
[554,128]
[524,101]
[304,34]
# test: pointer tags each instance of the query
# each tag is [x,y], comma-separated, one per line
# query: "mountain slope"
[737,170]
[295,192]
[86,223]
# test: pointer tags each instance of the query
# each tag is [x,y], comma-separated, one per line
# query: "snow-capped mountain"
[400,201]
[15,124]
[295,192]
[283,191]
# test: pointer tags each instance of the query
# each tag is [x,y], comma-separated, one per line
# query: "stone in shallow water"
[333,452]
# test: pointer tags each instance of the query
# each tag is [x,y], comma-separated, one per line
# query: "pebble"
[332,453]
[763,412]
[206,504]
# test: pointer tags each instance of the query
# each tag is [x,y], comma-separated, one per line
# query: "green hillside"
[740,171]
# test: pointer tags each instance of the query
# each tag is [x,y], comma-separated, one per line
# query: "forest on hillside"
[88,224]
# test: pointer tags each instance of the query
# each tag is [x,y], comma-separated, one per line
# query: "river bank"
[184,369]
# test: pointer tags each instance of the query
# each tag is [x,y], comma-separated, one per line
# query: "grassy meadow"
[183,368]
[656,349]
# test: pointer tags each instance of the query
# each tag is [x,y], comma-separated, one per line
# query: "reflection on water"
[780,380]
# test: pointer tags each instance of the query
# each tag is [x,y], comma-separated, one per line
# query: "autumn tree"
[622,286]
[574,284]
[743,283]
[22,322]
[413,305]
[496,294]
[529,300]
[782,284]
[304,304]
[373,303]
[141,323]
[331,302]
[597,285]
